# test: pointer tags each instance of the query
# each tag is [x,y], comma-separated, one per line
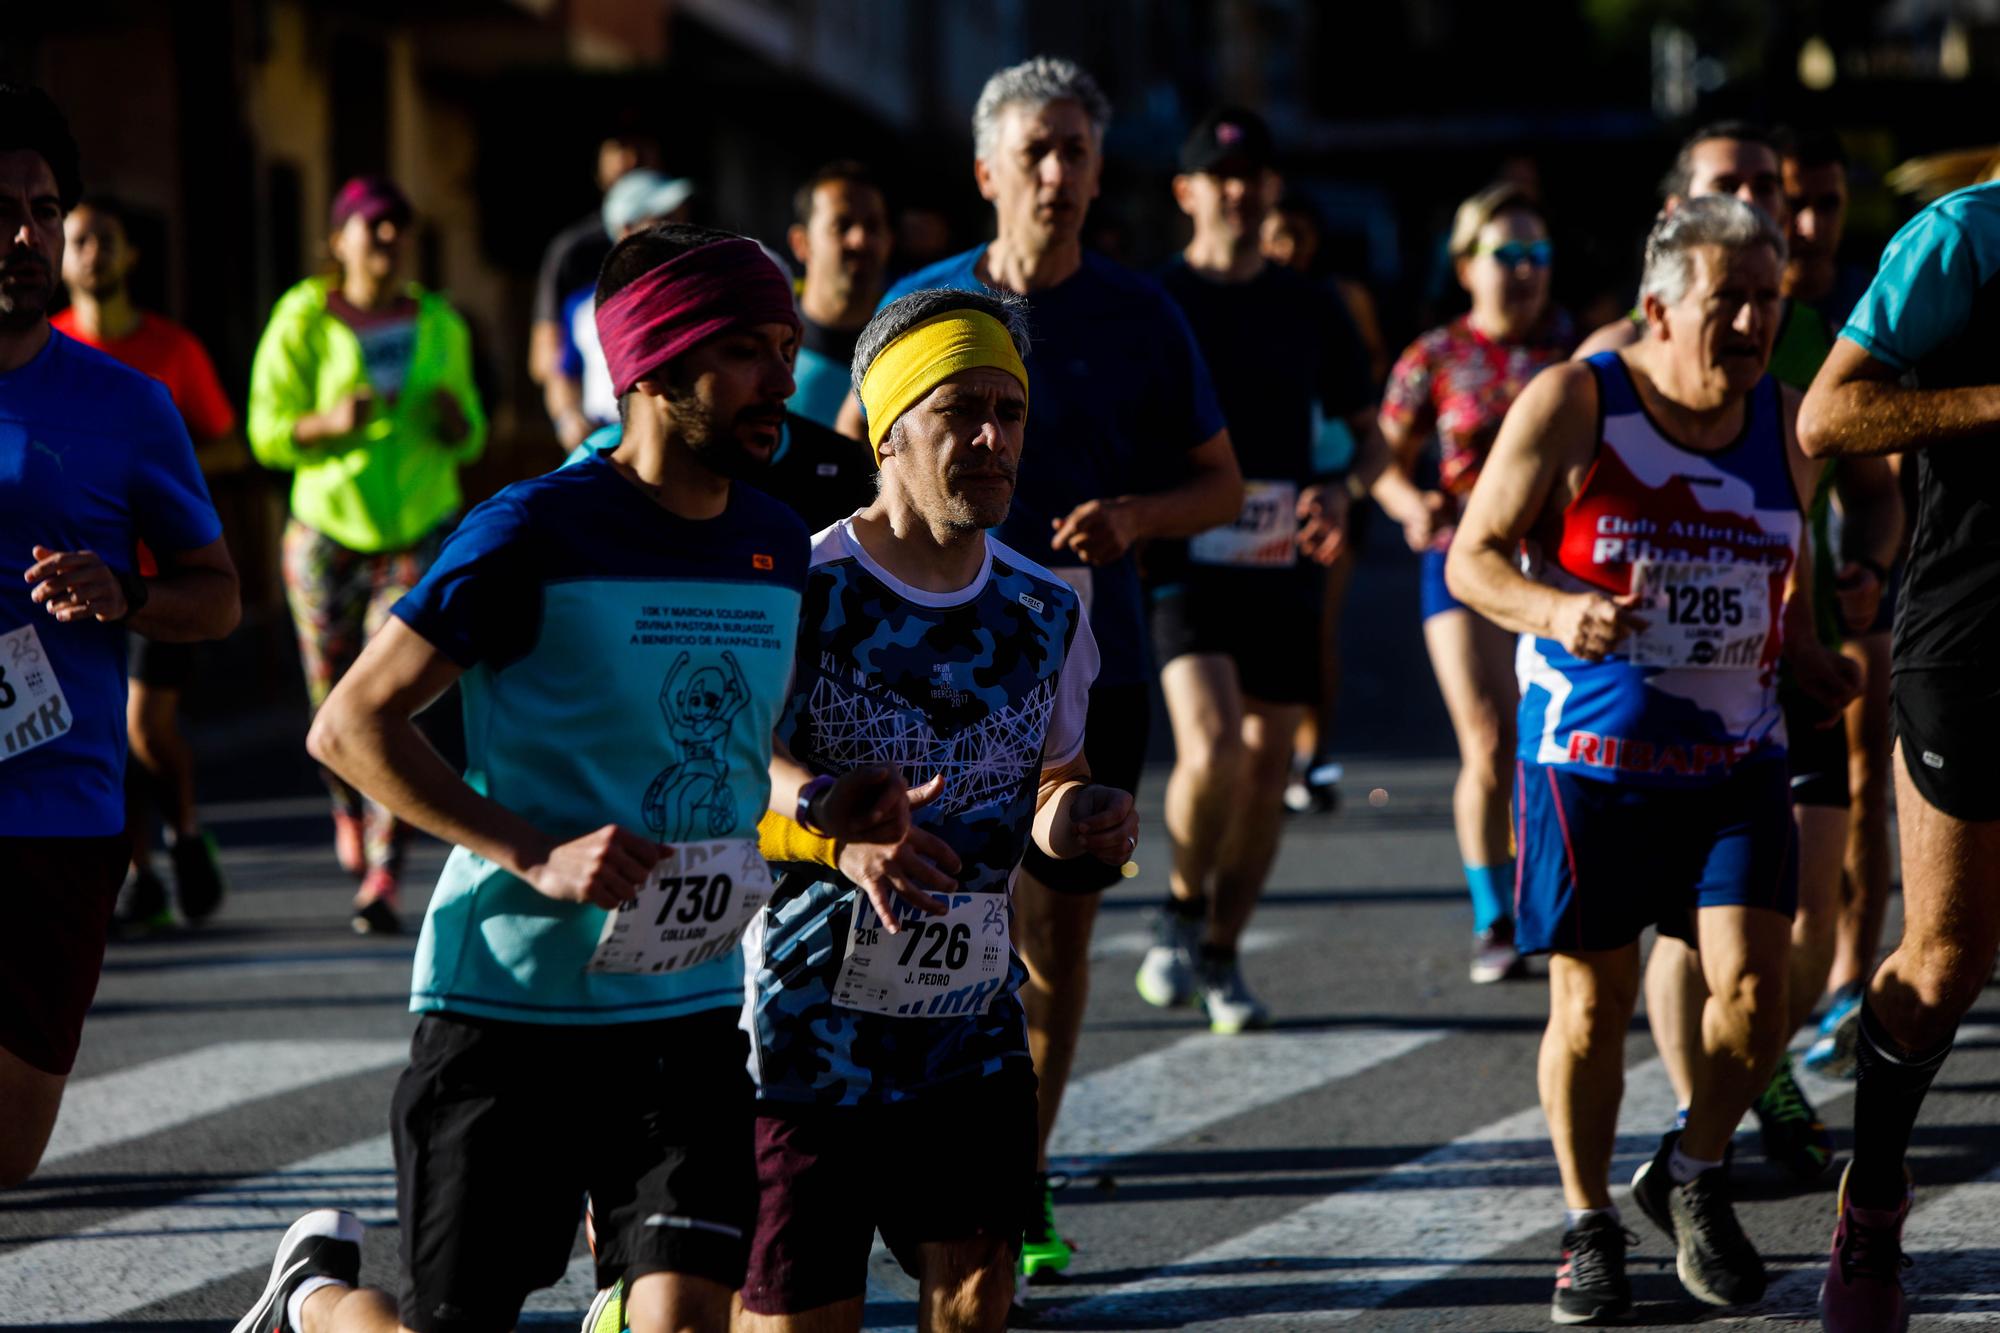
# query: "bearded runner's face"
[31,237]
[957,450]
[728,397]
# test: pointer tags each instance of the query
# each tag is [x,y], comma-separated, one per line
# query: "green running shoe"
[607,1312]
[1795,1140]
[1043,1250]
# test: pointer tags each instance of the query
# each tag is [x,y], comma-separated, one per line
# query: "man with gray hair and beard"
[1656,490]
[883,995]
[1128,444]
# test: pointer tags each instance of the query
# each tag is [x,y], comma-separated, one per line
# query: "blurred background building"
[228,124]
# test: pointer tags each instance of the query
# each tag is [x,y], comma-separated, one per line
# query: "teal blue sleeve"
[1923,293]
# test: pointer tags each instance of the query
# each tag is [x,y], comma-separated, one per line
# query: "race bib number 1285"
[1702,615]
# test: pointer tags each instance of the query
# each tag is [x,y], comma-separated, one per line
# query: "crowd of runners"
[806,702]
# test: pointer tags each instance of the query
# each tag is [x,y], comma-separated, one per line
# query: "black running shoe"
[323,1243]
[1795,1140]
[198,883]
[1715,1260]
[1591,1286]
[142,906]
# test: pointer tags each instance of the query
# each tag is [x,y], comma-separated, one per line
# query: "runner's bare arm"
[1099,531]
[194,597]
[364,732]
[1828,677]
[1857,406]
[1389,478]
[1077,817]
[1871,507]
[1544,446]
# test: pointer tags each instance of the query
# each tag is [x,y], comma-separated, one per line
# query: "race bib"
[1264,535]
[935,967]
[1701,615]
[32,708]
[692,909]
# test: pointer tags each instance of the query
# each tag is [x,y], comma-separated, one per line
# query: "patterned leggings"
[339,598]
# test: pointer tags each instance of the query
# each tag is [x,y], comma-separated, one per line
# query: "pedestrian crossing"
[1331,1261]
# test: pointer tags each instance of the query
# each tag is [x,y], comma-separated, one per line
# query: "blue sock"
[1492,891]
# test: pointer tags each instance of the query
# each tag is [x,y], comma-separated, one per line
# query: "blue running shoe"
[1831,1054]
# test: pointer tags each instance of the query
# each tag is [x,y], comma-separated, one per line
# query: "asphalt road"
[1377,1160]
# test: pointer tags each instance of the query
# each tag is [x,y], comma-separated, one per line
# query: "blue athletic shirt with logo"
[600,636]
[1648,497]
[1120,395]
[988,685]
[93,457]
[1933,312]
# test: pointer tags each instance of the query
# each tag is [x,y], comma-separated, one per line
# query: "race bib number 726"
[935,966]
[692,909]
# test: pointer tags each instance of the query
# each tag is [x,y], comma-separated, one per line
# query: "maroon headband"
[700,294]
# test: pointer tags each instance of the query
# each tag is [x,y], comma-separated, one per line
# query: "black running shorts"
[58,894]
[163,666]
[1267,622]
[951,1163]
[502,1128]
[1948,726]
[1114,745]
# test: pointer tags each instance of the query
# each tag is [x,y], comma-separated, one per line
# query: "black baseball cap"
[1229,136]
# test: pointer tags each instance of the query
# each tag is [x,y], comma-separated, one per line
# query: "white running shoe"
[324,1243]
[1227,1000]
[1167,974]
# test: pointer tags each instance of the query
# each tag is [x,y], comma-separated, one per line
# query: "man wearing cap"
[621,631]
[1128,444]
[1236,609]
[637,198]
[886,1016]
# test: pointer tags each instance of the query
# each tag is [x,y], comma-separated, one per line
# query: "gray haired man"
[1656,489]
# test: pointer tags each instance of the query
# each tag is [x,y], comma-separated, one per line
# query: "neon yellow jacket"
[386,485]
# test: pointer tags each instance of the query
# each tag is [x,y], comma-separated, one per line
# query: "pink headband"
[701,294]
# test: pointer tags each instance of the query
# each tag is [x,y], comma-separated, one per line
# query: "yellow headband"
[928,355]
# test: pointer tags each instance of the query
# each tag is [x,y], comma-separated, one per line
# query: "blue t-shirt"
[1118,395]
[822,373]
[607,644]
[988,685]
[93,457]
[1933,312]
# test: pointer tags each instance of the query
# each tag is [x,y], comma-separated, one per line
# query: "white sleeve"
[1079,669]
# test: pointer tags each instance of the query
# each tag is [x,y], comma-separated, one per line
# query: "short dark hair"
[110,206]
[1681,175]
[649,247]
[845,169]
[30,119]
[1812,148]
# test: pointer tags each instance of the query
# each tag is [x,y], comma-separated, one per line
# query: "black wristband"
[808,797]
[136,593]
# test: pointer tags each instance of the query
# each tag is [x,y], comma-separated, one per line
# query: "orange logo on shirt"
[761,562]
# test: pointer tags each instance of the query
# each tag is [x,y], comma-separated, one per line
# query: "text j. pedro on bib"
[692,909]
[32,708]
[934,967]
[1264,535]
[1699,614]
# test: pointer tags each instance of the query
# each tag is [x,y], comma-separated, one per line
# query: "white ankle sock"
[295,1306]
[1684,1168]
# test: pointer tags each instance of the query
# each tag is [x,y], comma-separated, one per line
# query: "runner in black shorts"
[1916,371]
[531,975]
[1236,610]
[66,409]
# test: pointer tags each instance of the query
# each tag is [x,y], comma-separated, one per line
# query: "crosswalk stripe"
[160,1094]
[102,1272]
[1203,1079]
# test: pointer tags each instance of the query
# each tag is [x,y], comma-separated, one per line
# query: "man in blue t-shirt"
[1236,611]
[1917,371]
[1128,444]
[621,631]
[883,997]
[93,460]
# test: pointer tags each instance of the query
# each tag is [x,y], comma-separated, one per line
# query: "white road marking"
[160,1094]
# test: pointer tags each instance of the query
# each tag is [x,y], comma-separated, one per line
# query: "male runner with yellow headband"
[883,991]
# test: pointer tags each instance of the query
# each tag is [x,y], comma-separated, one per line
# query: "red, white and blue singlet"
[1647,498]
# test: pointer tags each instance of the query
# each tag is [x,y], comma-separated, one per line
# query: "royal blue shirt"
[93,457]
[608,644]
[1118,394]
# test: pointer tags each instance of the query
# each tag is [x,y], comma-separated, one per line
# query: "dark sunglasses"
[1538,253]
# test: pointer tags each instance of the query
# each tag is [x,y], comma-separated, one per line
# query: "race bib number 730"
[692,909]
